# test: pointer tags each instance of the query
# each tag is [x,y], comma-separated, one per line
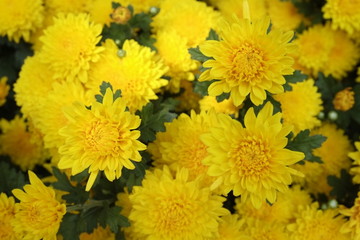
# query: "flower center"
[247,64]
[101,137]
[251,157]
[192,156]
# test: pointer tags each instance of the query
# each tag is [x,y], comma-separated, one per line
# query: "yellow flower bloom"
[137,74]
[226,106]
[67,6]
[190,19]
[97,234]
[229,228]
[301,105]
[4,90]
[180,145]
[18,19]
[15,133]
[173,50]
[252,160]
[70,46]
[262,230]
[140,5]
[284,14]
[38,215]
[345,14]
[352,226]
[101,139]
[167,207]
[355,169]
[189,100]
[344,99]
[248,60]
[100,11]
[316,224]
[7,214]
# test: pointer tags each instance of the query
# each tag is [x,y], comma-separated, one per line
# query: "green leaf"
[117,32]
[10,178]
[76,194]
[196,54]
[201,88]
[141,21]
[305,143]
[105,85]
[296,77]
[212,35]
[343,188]
[328,87]
[69,227]
[110,216]
[222,97]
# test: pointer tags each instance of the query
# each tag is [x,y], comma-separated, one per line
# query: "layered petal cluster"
[4,90]
[352,226]
[248,60]
[251,160]
[102,138]
[7,214]
[355,169]
[38,215]
[167,207]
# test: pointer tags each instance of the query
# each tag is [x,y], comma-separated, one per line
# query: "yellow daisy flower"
[252,160]
[180,145]
[345,14]
[355,169]
[97,234]
[176,208]
[352,226]
[18,19]
[70,46]
[15,133]
[301,105]
[4,90]
[101,139]
[248,60]
[38,215]
[316,224]
[190,19]
[7,214]
[226,106]
[138,85]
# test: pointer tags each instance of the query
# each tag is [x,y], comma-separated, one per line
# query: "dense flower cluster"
[179,120]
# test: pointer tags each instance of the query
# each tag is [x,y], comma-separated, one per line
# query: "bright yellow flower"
[190,19]
[229,228]
[18,19]
[252,160]
[226,106]
[100,11]
[140,5]
[352,226]
[248,60]
[7,214]
[101,139]
[173,50]
[262,230]
[344,99]
[316,224]
[67,6]
[98,233]
[137,74]
[4,90]
[70,46]
[180,145]
[301,105]
[38,215]
[355,169]
[284,14]
[345,14]
[167,207]
[17,133]
[188,99]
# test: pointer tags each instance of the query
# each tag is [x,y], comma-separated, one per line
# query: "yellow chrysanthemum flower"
[190,19]
[100,11]
[226,106]
[301,105]
[345,14]
[176,208]
[316,224]
[67,6]
[97,234]
[333,152]
[173,50]
[141,5]
[257,8]
[229,228]
[70,46]
[352,226]
[248,60]
[52,117]
[252,160]
[344,100]
[188,99]
[355,169]
[18,19]
[284,14]
[17,133]
[7,214]
[137,74]
[4,90]
[180,145]
[38,215]
[262,230]
[101,139]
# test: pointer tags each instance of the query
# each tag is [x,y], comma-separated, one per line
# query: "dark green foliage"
[201,88]
[10,178]
[296,77]
[342,188]
[103,87]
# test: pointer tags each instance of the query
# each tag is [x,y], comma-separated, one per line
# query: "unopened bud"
[121,15]
[344,100]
